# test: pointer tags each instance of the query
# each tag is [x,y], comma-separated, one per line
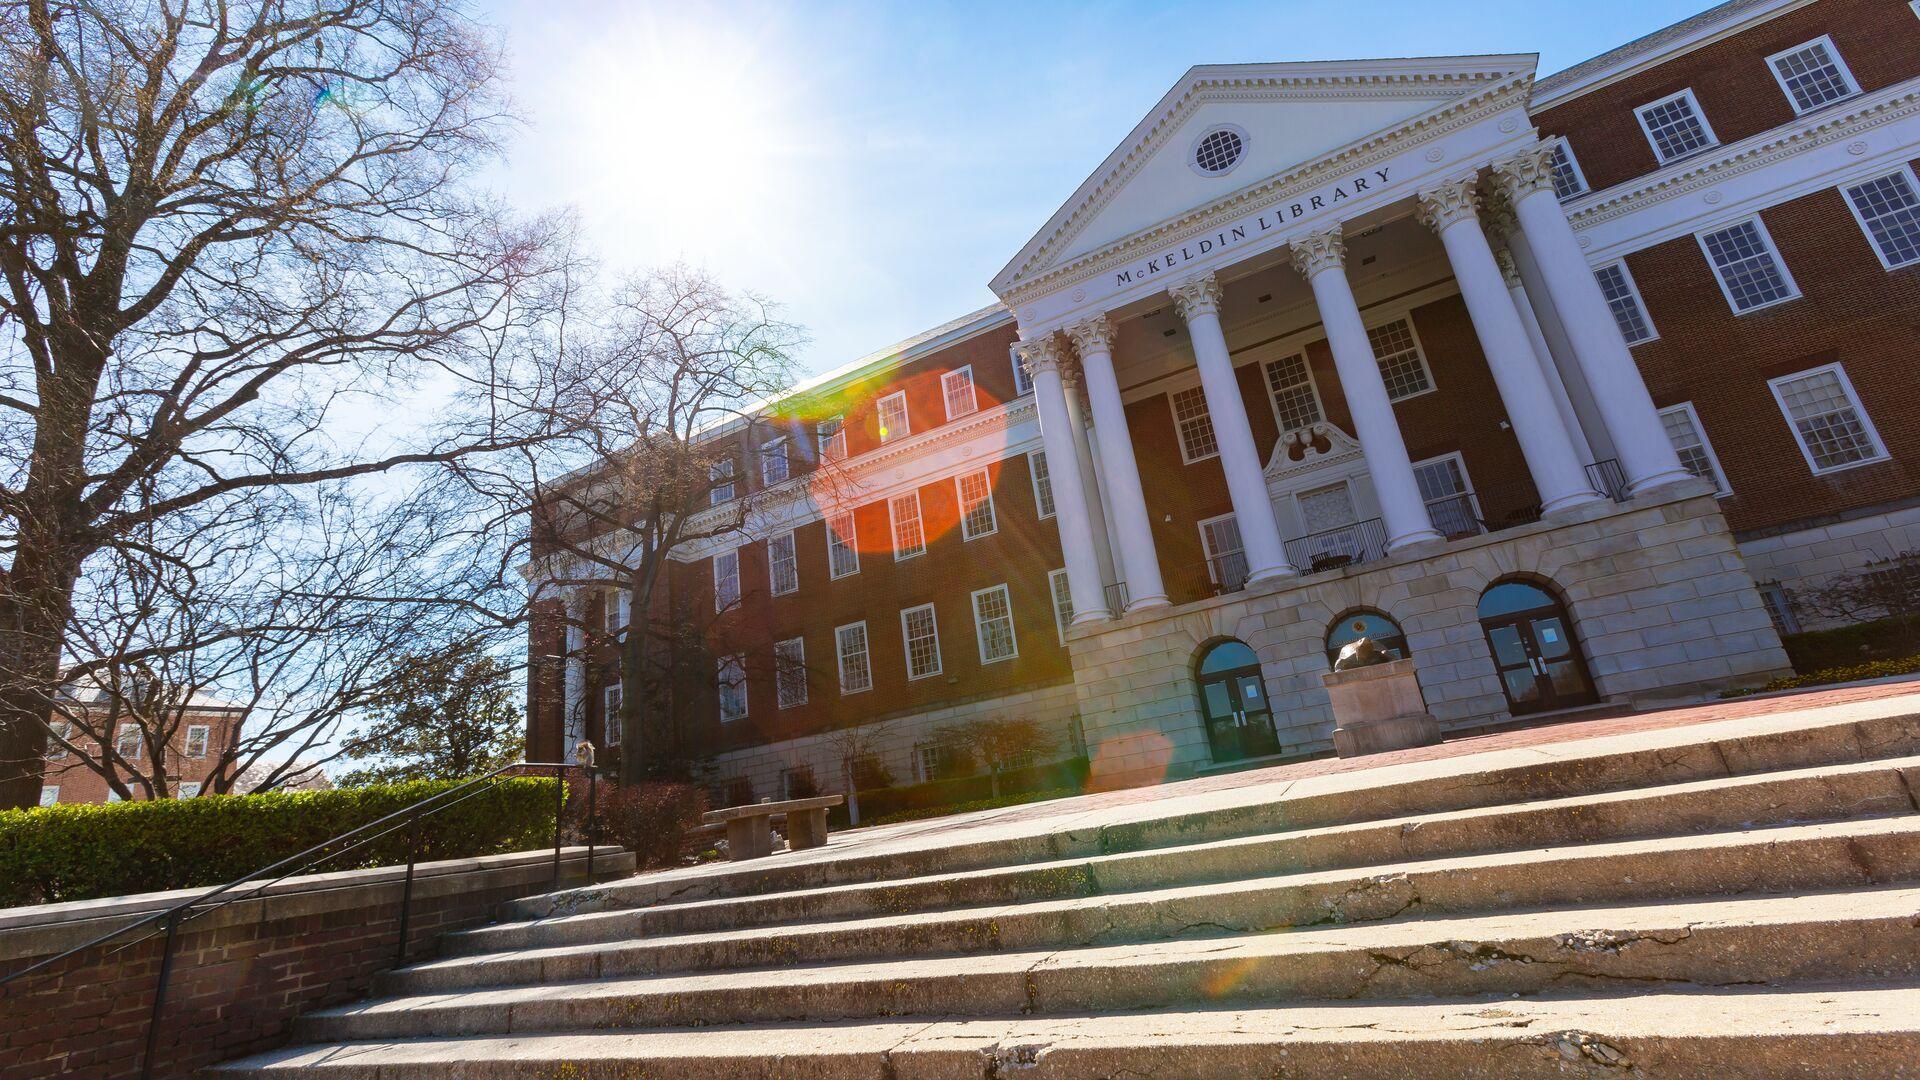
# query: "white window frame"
[126,728]
[715,472]
[960,498]
[831,447]
[947,392]
[62,733]
[205,733]
[1766,240]
[793,557]
[1859,408]
[1313,387]
[611,699]
[906,642]
[1466,479]
[919,523]
[189,789]
[1056,579]
[1700,114]
[1573,164]
[1639,301]
[767,479]
[49,794]
[1179,437]
[720,605]
[1866,230]
[1839,63]
[851,542]
[1206,543]
[1044,505]
[840,656]
[885,433]
[1721,486]
[1419,352]
[980,628]
[798,663]
[615,610]
[1023,380]
[738,662]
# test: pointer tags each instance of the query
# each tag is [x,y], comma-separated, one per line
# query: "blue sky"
[871,166]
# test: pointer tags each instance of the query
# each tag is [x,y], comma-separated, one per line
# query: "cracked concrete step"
[1681,755]
[1824,856]
[1727,1034]
[1857,935]
[1824,793]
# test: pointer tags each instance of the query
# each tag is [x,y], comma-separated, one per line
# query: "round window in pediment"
[1219,150]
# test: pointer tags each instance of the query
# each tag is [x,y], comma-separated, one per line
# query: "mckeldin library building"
[1560,386]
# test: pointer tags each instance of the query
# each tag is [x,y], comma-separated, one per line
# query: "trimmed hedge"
[1877,669]
[80,852]
[1843,646]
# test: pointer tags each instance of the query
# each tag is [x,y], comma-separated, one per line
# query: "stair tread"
[1608,1029]
[1902,825]
[1408,823]
[1613,926]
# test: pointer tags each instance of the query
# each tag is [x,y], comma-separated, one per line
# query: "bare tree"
[1885,589]
[657,409]
[856,750]
[232,231]
[1003,743]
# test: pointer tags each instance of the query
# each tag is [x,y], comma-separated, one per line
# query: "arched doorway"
[1233,699]
[1533,646]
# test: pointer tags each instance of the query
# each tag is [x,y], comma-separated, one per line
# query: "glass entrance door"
[1533,649]
[1233,701]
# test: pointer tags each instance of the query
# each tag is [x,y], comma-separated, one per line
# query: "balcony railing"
[1609,479]
[1456,516]
[1348,545]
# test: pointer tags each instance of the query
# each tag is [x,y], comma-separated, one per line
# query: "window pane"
[993,618]
[831,435]
[908,538]
[783,564]
[922,642]
[976,505]
[1195,423]
[732,688]
[1674,128]
[790,672]
[843,549]
[1746,266]
[1292,390]
[726,580]
[1566,179]
[720,476]
[851,645]
[958,388]
[1811,76]
[1827,419]
[1062,602]
[1400,362]
[1022,382]
[775,467]
[1624,302]
[1691,445]
[1891,209]
[893,417]
[1042,483]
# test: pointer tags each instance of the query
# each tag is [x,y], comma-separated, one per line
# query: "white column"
[1139,562]
[1320,258]
[1198,301]
[573,723]
[1646,455]
[1089,476]
[1452,211]
[1042,357]
[1537,336]
[1559,345]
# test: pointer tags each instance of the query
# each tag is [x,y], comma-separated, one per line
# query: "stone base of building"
[1660,606]
[1815,554]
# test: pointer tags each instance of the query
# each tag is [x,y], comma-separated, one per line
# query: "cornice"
[1279,188]
[1696,175]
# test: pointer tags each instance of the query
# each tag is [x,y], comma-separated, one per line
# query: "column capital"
[1450,203]
[1323,250]
[1526,172]
[1092,334]
[1039,354]
[1196,296]
[1498,218]
[1508,269]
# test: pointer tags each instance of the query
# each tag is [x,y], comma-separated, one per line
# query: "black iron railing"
[1117,598]
[1456,516]
[1609,479]
[169,920]
[1331,549]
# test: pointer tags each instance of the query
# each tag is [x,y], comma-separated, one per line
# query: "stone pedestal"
[1379,708]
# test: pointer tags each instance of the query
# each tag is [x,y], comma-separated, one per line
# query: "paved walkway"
[1577,736]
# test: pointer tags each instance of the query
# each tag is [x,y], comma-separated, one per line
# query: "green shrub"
[1814,651]
[79,852]
[1875,669]
[655,820]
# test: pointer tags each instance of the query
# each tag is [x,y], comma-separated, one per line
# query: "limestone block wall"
[892,740]
[1808,558]
[1661,603]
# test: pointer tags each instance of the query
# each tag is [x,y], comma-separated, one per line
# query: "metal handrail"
[406,817]
[1346,545]
[1608,478]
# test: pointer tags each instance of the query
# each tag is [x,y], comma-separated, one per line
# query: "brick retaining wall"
[243,972]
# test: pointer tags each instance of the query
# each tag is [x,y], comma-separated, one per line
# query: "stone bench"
[749,827]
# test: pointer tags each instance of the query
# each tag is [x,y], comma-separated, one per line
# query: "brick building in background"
[1561,385]
[206,726]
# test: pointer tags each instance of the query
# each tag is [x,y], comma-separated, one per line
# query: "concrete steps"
[1737,900]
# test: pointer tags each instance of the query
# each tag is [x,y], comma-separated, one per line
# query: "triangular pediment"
[1285,116]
